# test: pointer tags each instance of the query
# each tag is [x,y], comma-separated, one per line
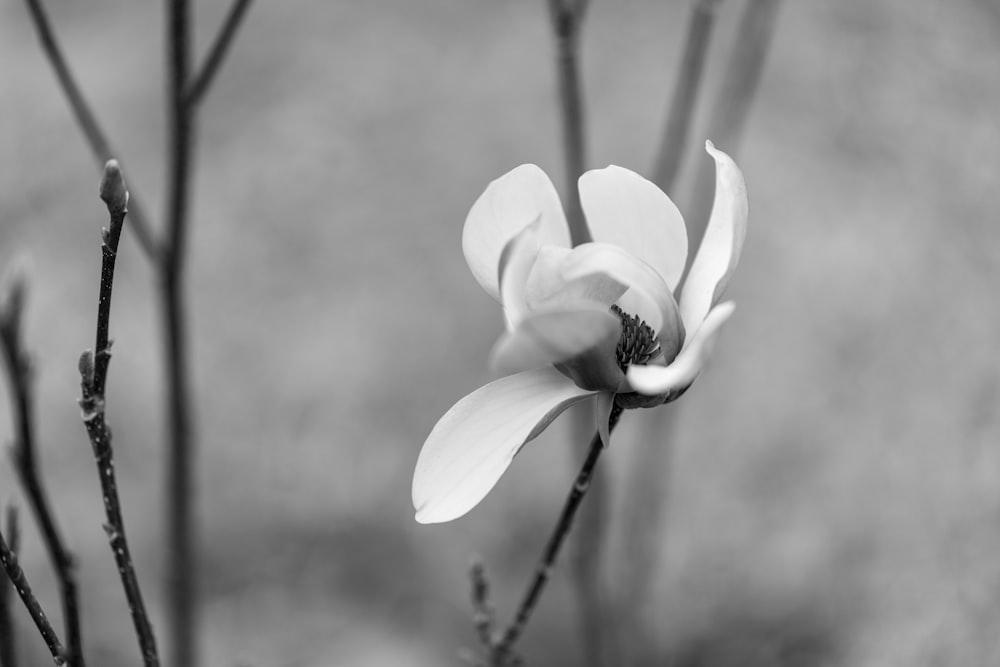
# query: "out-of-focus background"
[835,485]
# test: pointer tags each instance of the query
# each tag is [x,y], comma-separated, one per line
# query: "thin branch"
[567,20]
[19,375]
[8,559]
[483,616]
[93,374]
[504,647]
[676,133]
[8,643]
[100,146]
[731,107]
[217,53]
[181,567]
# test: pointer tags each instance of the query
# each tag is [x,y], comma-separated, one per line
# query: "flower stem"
[545,566]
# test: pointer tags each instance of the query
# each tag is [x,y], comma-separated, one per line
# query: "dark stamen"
[637,344]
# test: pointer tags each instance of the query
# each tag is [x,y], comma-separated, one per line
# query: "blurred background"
[834,492]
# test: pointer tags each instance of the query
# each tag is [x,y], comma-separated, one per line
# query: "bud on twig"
[86,367]
[112,188]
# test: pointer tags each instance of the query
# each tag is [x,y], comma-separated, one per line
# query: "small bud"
[112,189]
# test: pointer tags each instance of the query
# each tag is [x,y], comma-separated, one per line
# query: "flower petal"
[618,264]
[554,336]
[548,289]
[629,211]
[516,260]
[653,380]
[509,204]
[722,244]
[473,443]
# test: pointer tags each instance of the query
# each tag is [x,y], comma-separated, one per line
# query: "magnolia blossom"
[597,322]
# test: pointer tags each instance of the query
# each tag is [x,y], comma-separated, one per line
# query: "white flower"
[596,321]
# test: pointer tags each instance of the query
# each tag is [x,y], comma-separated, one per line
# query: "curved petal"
[629,211]
[473,443]
[554,336]
[620,265]
[722,244]
[509,204]
[516,260]
[655,380]
[548,289]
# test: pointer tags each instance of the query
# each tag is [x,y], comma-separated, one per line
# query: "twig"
[510,636]
[85,118]
[567,19]
[483,616]
[8,643]
[181,574]
[8,559]
[19,375]
[217,53]
[731,107]
[93,377]
[677,130]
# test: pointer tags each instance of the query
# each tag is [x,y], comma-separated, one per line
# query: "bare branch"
[567,20]
[217,53]
[676,132]
[731,107]
[100,146]
[8,643]
[181,565]
[8,559]
[93,373]
[19,377]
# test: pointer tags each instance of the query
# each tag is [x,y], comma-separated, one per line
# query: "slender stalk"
[26,466]
[676,133]
[8,559]
[567,20]
[181,573]
[483,616]
[100,146]
[93,379]
[552,548]
[217,53]
[8,643]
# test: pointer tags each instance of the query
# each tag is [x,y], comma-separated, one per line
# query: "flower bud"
[112,189]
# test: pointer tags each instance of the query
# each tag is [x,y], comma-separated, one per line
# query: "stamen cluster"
[637,344]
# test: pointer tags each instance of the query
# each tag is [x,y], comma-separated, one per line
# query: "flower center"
[637,344]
